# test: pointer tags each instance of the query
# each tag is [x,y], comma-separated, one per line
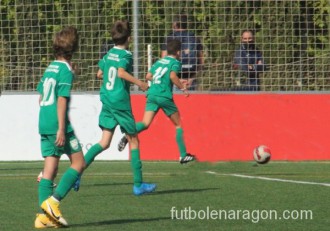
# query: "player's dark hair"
[173,46]
[181,21]
[66,42]
[120,32]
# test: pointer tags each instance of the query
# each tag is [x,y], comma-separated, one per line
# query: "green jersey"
[56,82]
[115,91]
[161,84]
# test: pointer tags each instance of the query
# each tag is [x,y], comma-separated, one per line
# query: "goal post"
[149,59]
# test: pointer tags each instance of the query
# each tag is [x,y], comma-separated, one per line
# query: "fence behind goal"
[292,35]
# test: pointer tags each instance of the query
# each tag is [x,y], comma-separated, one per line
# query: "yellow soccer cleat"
[43,221]
[52,208]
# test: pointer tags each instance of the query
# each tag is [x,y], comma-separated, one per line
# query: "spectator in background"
[192,58]
[248,59]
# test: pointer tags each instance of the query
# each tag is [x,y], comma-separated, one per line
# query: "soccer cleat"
[43,221]
[143,189]
[188,158]
[51,207]
[40,176]
[76,184]
[122,143]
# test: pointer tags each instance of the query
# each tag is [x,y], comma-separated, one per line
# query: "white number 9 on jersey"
[112,74]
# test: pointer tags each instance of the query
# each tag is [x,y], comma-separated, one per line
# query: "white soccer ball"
[262,154]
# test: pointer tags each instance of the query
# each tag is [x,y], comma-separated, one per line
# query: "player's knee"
[78,162]
[146,126]
[134,142]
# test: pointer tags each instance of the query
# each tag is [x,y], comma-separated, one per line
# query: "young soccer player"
[115,68]
[57,135]
[163,74]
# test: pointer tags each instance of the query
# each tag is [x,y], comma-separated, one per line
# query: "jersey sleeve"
[65,83]
[176,67]
[125,62]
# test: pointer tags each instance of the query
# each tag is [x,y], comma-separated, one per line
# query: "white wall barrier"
[19,138]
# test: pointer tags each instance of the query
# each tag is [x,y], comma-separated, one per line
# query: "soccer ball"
[261,154]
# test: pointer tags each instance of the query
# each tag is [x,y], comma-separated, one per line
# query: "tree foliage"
[293,35]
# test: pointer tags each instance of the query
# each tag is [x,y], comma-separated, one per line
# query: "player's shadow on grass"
[18,169]
[121,221]
[173,191]
[107,184]
[181,191]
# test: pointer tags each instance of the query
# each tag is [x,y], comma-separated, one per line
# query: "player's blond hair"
[66,42]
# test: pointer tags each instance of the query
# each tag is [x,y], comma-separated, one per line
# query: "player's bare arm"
[176,81]
[127,76]
[99,74]
[149,76]
[61,112]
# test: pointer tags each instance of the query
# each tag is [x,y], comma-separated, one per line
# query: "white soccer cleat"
[41,174]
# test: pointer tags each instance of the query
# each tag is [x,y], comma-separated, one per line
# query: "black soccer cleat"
[188,158]
[122,143]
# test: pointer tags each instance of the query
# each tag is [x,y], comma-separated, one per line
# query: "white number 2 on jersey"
[111,78]
[159,73]
[48,97]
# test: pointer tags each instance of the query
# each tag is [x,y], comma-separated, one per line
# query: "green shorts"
[154,103]
[109,118]
[49,148]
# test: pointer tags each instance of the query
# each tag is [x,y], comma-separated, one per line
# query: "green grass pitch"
[197,196]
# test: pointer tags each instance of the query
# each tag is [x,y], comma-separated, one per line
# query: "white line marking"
[268,178]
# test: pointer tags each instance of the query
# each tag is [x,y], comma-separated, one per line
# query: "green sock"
[180,142]
[140,127]
[68,179]
[136,167]
[45,189]
[92,153]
